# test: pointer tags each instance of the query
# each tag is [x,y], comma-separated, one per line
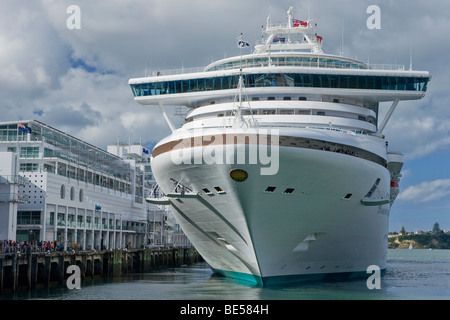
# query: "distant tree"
[403,230]
[436,228]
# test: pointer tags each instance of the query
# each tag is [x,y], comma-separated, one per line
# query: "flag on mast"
[23,128]
[241,43]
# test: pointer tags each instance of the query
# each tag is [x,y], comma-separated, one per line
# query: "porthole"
[238,175]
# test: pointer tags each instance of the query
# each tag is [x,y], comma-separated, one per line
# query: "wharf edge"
[28,271]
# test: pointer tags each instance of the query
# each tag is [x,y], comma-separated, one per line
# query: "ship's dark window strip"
[365,82]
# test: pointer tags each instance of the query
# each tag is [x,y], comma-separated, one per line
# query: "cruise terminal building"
[55,187]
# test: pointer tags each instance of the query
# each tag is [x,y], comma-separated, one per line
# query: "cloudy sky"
[76,79]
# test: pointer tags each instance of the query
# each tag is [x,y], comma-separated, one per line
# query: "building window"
[81,195]
[49,168]
[51,219]
[48,153]
[29,167]
[28,217]
[72,193]
[29,152]
[61,221]
[63,192]
[27,235]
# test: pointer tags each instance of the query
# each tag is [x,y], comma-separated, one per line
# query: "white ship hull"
[319,230]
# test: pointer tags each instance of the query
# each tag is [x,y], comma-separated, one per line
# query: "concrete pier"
[27,271]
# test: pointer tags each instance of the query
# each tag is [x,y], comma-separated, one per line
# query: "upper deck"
[288,63]
[196,89]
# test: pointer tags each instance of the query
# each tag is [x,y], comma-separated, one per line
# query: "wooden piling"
[27,271]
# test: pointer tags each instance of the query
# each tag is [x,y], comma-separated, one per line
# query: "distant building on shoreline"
[55,187]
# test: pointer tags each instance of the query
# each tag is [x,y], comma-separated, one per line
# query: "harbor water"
[411,275]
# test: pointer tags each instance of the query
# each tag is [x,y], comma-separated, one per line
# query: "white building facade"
[162,226]
[56,187]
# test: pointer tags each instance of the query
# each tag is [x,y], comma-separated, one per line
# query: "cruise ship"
[281,172]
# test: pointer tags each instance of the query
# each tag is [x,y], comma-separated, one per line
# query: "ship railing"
[280,125]
[177,71]
[385,66]
[316,64]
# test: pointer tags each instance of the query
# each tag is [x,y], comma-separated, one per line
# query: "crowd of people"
[11,246]
[341,150]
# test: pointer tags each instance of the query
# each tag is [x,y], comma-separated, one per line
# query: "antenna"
[289,12]
[342,39]
[410,56]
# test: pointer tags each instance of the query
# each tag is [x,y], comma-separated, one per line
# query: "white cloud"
[426,191]
[120,39]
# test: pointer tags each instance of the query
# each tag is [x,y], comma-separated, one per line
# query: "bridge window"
[282,80]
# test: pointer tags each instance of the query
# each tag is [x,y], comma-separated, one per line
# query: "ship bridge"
[196,89]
